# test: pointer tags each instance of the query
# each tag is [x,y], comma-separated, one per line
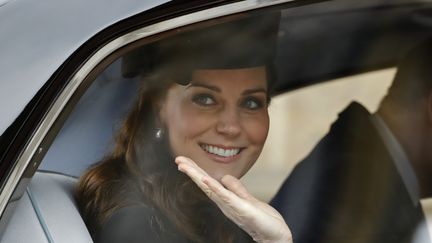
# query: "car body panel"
[41,42]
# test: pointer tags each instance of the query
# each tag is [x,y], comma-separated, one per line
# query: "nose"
[229,123]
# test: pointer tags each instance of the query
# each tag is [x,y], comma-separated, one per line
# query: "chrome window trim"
[33,145]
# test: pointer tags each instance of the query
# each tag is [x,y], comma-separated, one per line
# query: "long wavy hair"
[140,170]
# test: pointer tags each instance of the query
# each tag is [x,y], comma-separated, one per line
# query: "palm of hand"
[261,221]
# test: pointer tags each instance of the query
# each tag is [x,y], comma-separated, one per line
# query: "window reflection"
[299,119]
[353,198]
[365,178]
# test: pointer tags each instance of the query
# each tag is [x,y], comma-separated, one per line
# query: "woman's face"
[219,120]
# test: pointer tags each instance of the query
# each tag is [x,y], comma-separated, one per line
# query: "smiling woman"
[203,105]
[220,119]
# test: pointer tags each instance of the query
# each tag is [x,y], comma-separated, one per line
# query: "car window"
[291,138]
[319,109]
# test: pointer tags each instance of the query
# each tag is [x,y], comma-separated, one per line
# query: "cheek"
[184,131]
[184,124]
[257,130]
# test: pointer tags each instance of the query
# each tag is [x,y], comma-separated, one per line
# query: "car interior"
[333,48]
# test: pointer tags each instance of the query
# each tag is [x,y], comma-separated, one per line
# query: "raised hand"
[262,222]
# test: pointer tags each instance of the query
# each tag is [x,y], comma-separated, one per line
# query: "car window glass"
[291,137]
[337,163]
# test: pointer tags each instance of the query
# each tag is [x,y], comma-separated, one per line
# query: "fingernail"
[178,159]
[180,168]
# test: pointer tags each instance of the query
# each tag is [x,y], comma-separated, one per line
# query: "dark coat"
[348,189]
[138,224]
[144,224]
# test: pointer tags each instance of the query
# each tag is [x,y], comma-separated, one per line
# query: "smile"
[223,152]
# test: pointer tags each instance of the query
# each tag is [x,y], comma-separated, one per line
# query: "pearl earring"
[159,133]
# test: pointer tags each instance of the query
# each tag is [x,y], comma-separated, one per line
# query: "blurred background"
[299,119]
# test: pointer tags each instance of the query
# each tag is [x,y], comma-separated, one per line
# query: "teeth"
[220,151]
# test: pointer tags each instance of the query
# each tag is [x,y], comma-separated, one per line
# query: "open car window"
[335,163]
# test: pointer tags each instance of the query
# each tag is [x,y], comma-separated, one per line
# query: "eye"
[252,103]
[203,99]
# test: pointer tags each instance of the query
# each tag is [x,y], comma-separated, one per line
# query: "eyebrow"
[217,89]
[251,91]
[199,84]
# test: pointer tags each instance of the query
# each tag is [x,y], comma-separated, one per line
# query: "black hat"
[242,43]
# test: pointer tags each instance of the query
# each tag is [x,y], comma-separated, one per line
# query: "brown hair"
[141,170]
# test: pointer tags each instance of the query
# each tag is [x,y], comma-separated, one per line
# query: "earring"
[159,133]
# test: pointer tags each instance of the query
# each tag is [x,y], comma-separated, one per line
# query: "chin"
[217,175]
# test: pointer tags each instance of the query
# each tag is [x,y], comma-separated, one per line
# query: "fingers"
[185,160]
[234,185]
[222,195]
[199,176]
[255,217]
[189,167]
[214,190]
[202,179]
[233,206]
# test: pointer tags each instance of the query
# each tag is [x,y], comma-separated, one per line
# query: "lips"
[221,151]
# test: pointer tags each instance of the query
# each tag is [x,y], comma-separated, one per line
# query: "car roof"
[38,36]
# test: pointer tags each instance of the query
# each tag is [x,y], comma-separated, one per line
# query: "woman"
[203,112]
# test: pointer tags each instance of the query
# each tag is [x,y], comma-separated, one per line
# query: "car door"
[330,53]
